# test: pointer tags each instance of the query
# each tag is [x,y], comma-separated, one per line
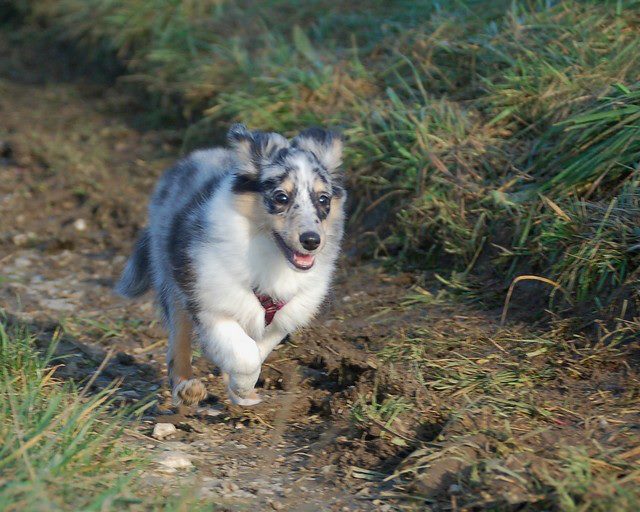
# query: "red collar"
[271,307]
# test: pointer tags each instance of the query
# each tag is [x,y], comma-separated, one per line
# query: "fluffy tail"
[136,277]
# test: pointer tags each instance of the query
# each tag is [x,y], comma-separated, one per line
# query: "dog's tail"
[136,277]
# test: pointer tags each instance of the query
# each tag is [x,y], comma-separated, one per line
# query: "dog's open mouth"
[297,259]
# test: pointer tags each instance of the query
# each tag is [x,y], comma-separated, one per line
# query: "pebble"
[80,225]
[209,411]
[20,239]
[174,460]
[22,262]
[264,491]
[162,430]
[327,470]
[230,487]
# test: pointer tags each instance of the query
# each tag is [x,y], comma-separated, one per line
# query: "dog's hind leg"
[185,389]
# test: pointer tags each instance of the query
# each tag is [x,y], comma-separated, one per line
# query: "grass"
[466,120]
[508,419]
[62,446]
[493,143]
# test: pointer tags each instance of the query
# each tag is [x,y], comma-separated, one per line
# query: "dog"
[240,248]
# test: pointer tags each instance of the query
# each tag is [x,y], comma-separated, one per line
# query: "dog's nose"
[310,240]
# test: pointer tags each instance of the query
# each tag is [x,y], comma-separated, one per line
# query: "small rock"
[202,446]
[80,225]
[167,469]
[162,430]
[229,488]
[327,470]
[276,505]
[264,491]
[174,460]
[57,304]
[209,411]
[21,239]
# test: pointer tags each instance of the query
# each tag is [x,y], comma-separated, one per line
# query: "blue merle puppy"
[240,248]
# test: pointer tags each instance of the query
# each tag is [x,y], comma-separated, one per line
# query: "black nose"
[310,240]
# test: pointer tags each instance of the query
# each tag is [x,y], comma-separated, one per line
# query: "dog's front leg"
[293,315]
[229,347]
[272,338]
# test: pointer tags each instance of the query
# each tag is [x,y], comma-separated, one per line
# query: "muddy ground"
[76,173]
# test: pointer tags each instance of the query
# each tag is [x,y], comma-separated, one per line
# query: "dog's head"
[299,182]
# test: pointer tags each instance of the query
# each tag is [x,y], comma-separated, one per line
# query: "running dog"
[240,248]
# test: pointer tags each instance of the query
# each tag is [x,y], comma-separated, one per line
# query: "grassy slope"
[487,138]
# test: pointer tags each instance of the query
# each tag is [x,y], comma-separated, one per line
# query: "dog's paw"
[246,400]
[189,392]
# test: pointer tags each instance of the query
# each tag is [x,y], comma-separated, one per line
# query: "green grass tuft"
[62,446]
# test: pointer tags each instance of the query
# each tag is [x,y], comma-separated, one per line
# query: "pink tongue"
[304,260]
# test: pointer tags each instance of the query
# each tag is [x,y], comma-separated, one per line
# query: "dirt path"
[76,178]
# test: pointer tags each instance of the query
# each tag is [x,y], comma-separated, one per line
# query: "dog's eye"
[281,198]
[323,199]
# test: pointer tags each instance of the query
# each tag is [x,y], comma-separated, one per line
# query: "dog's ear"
[327,145]
[254,148]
